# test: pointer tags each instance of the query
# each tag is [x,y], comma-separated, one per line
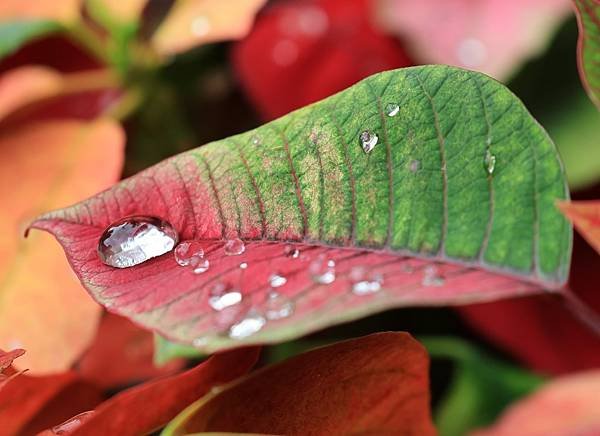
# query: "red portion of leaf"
[31,404]
[377,384]
[6,358]
[585,216]
[303,50]
[145,408]
[538,329]
[121,353]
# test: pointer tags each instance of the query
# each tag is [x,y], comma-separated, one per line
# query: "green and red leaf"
[424,213]
[588,47]
[376,384]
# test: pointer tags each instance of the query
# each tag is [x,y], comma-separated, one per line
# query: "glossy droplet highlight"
[256,140]
[234,247]
[368,140]
[71,424]
[187,251]
[222,297]
[322,270]
[431,277]
[134,240]
[244,265]
[247,326]
[277,280]
[369,285]
[291,252]
[278,306]
[489,162]
[392,109]
[200,265]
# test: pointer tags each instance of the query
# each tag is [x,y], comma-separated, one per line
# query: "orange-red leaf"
[147,407]
[43,308]
[62,11]
[377,384]
[585,216]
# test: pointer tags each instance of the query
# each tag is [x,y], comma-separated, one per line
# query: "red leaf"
[301,51]
[585,216]
[31,404]
[566,406]
[6,358]
[377,384]
[121,353]
[147,407]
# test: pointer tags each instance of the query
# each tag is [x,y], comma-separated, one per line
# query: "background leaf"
[588,48]
[585,216]
[376,384]
[421,212]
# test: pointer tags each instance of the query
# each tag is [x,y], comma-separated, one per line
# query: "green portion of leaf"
[13,34]
[588,18]
[576,131]
[481,388]
[165,351]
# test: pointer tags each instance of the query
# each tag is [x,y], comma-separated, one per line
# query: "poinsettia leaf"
[377,384]
[14,34]
[564,406]
[454,204]
[165,351]
[149,406]
[585,216]
[588,47]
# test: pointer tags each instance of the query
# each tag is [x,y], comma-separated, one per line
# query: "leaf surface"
[376,384]
[420,215]
[588,46]
[147,407]
[42,306]
[585,216]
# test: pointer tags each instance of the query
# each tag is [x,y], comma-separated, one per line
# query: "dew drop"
[72,423]
[234,247]
[244,265]
[368,140]
[247,326]
[200,265]
[431,277]
[414,166]
[291,252]
[322,270]
[278,306]
[135,239]
[277,280]
[368,286]
[222,297]
[489,162]
[256,140]
[392,109]
[200,26]
[200,341]
[187,251]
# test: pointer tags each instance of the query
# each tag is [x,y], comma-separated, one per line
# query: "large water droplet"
[249,325]
[392,109]
[200,265]
[291,252]
[72,423]
[278,306]
[234,247]
[134,240]
[200,26]
[489,162]
[431,277]
[368,140]
[277,280]
[221,297]
[187,251]
[322,270]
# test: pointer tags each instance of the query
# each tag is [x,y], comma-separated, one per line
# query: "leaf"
[14,34]
[31,404]
[147,407]
[468,403]
[588,46]
[465,33]
[7,373]
[43,308]
[165,351]
[585,216]
[565,406]
[121,354]
[430,233]
[195,22]
[377,384]
[298,53]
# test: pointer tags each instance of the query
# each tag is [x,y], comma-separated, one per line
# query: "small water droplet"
[234,247]
[136,239]
[249,325]
[368,286]
[256,140]
[489,162]
[72,423]
[277,280]
[186,251]
[431,277]
[200,265]
[392,109]
[243,265]
[291,251]
[200,341]
[368,140]
[200,26]
[221,297]
[322,271]
[278,306]
[414,166]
